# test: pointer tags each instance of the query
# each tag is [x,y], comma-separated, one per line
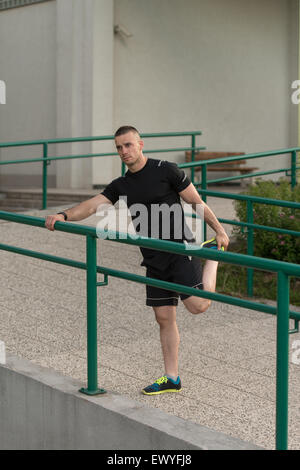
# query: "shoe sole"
[207,242]
[163,391]
[212,247]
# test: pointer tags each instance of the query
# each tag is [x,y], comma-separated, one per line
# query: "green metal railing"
[250,226]
[290,171]
[250,200]
[46,159]
[284,314]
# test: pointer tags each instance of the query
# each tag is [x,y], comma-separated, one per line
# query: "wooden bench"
[234,166]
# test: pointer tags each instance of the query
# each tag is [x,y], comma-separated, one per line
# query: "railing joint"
[86,391]
[103,283]
[296,327]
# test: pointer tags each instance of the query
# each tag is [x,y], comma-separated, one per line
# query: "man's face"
[129,147]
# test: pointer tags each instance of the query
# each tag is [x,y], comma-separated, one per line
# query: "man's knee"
[165,315]
[161,320]
[199,307]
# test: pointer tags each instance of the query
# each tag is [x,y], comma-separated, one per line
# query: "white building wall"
[28,67]
[74,88]
[106,168]
[224,67]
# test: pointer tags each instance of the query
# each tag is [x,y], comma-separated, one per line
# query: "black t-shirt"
[154,203]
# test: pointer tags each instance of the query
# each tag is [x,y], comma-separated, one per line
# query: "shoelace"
[161,380]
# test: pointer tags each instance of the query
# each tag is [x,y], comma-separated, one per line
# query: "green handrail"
[249,175]
[90,155]
[204,182]
[254,199]
[69,140]
[250,200]
[46,160]
[203,163]
[283,270]
[248,156]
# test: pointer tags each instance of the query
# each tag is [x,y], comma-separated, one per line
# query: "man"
[155,182]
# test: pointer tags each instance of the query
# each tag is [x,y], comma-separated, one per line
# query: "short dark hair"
[125,129]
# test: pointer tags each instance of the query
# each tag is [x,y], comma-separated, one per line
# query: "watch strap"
[64,214]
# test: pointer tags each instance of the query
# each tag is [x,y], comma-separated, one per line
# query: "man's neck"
[138,165]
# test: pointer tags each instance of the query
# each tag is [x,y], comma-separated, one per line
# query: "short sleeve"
[111,192]
[177,177]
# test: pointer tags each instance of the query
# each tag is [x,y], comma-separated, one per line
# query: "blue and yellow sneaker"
[212,243]
[163,385]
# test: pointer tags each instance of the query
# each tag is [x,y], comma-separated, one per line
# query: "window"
[6,4]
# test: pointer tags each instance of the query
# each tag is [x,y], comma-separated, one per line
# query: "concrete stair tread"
[22,199]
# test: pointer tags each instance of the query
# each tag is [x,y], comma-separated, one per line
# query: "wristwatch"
[64,214]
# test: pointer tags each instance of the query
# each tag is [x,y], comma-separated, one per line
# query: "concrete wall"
[28,67]
[104,169]
[42,410]
[223,67]
[55,63]
[74,88]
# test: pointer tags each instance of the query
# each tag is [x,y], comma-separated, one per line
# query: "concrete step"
[22,199]
[53,194]
[13,209]
[31,204]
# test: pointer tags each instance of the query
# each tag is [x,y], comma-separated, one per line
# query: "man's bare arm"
[191,196]
[81,211]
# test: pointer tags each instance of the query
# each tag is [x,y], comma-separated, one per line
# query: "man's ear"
[141,142]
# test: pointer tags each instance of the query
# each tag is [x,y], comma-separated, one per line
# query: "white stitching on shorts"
[167,298]
[197,284]
[161,298]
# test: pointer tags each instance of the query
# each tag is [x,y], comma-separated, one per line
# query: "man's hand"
[222,239]
[191,196]
[51,219]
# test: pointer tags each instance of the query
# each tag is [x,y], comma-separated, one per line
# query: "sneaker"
[163,385]
[211,244]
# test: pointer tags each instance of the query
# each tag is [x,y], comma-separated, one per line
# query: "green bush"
[270,244]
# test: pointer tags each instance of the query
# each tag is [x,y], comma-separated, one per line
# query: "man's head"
[129,145]
[125,129]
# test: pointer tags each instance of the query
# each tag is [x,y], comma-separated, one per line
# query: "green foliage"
[269,244]
[232,280]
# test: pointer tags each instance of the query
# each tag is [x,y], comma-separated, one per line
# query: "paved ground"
[227,355]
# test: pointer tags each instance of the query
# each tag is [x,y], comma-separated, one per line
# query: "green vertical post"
[293,169]
[123,169]
[204,186]
[193,158]
[91,293]
[250,250]
[45,174]
[282,361]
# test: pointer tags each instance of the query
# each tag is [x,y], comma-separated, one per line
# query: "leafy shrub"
[269,244]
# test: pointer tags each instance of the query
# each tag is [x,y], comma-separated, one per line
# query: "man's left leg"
[169,338]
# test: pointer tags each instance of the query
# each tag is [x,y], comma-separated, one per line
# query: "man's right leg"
[209,279]
[198,305]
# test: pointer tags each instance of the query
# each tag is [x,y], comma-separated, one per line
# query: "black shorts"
[183,270]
